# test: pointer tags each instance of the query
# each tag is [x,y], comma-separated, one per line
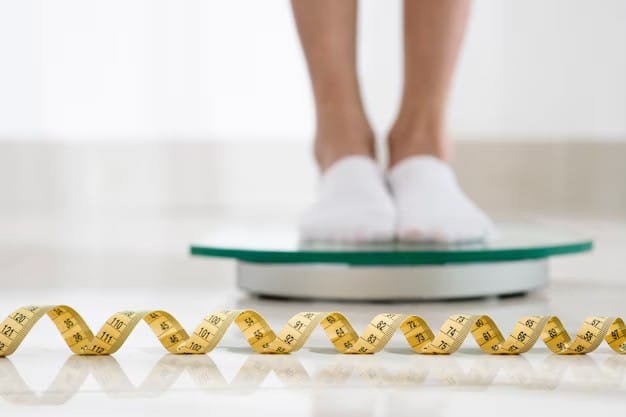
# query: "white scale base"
[386,283]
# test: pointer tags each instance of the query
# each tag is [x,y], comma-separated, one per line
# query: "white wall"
[85,69]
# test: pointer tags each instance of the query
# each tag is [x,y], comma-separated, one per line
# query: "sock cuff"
[353,165]
[421,165]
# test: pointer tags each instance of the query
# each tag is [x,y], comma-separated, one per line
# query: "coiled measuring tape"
[173,337]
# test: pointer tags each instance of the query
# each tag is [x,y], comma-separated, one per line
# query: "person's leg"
[433,31]
[327,31]
[429,202]
[353,203]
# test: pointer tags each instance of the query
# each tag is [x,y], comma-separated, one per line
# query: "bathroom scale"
[274,262]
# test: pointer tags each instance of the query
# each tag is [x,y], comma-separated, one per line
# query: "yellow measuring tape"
[173,337]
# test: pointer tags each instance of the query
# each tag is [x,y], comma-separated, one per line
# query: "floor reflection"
[547,373]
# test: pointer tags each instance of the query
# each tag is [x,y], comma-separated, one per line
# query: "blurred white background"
[153,69]
[129,127]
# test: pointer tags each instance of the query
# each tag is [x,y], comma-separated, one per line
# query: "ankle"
[334,141]
[417,138]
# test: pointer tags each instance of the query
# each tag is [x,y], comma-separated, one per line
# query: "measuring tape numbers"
[262,339]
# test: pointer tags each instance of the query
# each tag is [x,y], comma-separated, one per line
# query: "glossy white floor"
[100,264]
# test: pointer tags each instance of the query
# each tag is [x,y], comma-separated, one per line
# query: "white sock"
[431,206]
[353,204]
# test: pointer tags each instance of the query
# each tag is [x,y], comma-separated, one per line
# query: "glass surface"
[271,244]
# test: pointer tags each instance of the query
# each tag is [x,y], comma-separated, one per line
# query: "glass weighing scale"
[274,262]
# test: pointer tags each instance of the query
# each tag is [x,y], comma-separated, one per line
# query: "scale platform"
[274,262]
